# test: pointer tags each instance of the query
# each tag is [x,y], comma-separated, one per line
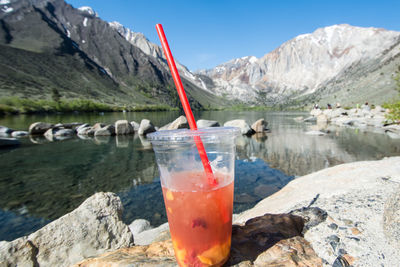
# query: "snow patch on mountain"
[88,10]
[302,65]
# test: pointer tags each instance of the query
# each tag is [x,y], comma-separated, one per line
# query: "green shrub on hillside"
[394,107]
[394,113]
[15,105]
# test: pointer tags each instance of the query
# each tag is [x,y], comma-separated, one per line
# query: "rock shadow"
[261,233]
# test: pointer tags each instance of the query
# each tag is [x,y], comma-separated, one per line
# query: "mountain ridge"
[103,65]
[140,40]
[303,65]
[338,63]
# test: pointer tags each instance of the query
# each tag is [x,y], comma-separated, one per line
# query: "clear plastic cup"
[199,212]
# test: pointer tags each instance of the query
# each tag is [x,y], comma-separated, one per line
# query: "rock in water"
[86,131]
[59,132]
[242,124]
[85,125]
[49,134]
[106,130]
[39,127]
[98,126]
[207,123]
[5,131]
[135,126]
[146,127]
[260,126]
[179,123]
[93,228]
[69,125]
[19,133]
[123,127]
[65,132]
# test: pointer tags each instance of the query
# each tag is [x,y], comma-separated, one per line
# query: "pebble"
[334,238]
[340,262]
[355,231]
[333,241]
[333,226]
[348,222]
[354,238]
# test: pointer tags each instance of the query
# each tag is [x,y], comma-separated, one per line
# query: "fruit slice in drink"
[200,218]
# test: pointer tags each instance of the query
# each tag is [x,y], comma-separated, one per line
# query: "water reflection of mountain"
[57,177]
[296,153]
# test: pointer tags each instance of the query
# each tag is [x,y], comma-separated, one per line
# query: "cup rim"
[185,135]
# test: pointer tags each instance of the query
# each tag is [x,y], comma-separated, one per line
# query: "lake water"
[41,180]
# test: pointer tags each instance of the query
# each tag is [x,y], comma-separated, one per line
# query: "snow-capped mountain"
[339,63]
[139,40]
[49,44]
[302,65]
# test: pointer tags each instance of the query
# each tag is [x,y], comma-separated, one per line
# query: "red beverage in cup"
[199,210]
[200,218]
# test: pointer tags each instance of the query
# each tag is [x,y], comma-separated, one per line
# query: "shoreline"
[356,197]
[360,118]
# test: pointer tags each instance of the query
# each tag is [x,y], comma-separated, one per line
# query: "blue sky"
[203,34]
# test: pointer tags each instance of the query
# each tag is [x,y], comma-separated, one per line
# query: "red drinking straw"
[185,104]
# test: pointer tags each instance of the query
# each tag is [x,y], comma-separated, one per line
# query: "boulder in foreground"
[19,133]
[267,240]
[361,200]
[93,228]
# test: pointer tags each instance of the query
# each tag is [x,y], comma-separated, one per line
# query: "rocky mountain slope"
[80,55]
[320,66]
[139,40]
[46,44]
